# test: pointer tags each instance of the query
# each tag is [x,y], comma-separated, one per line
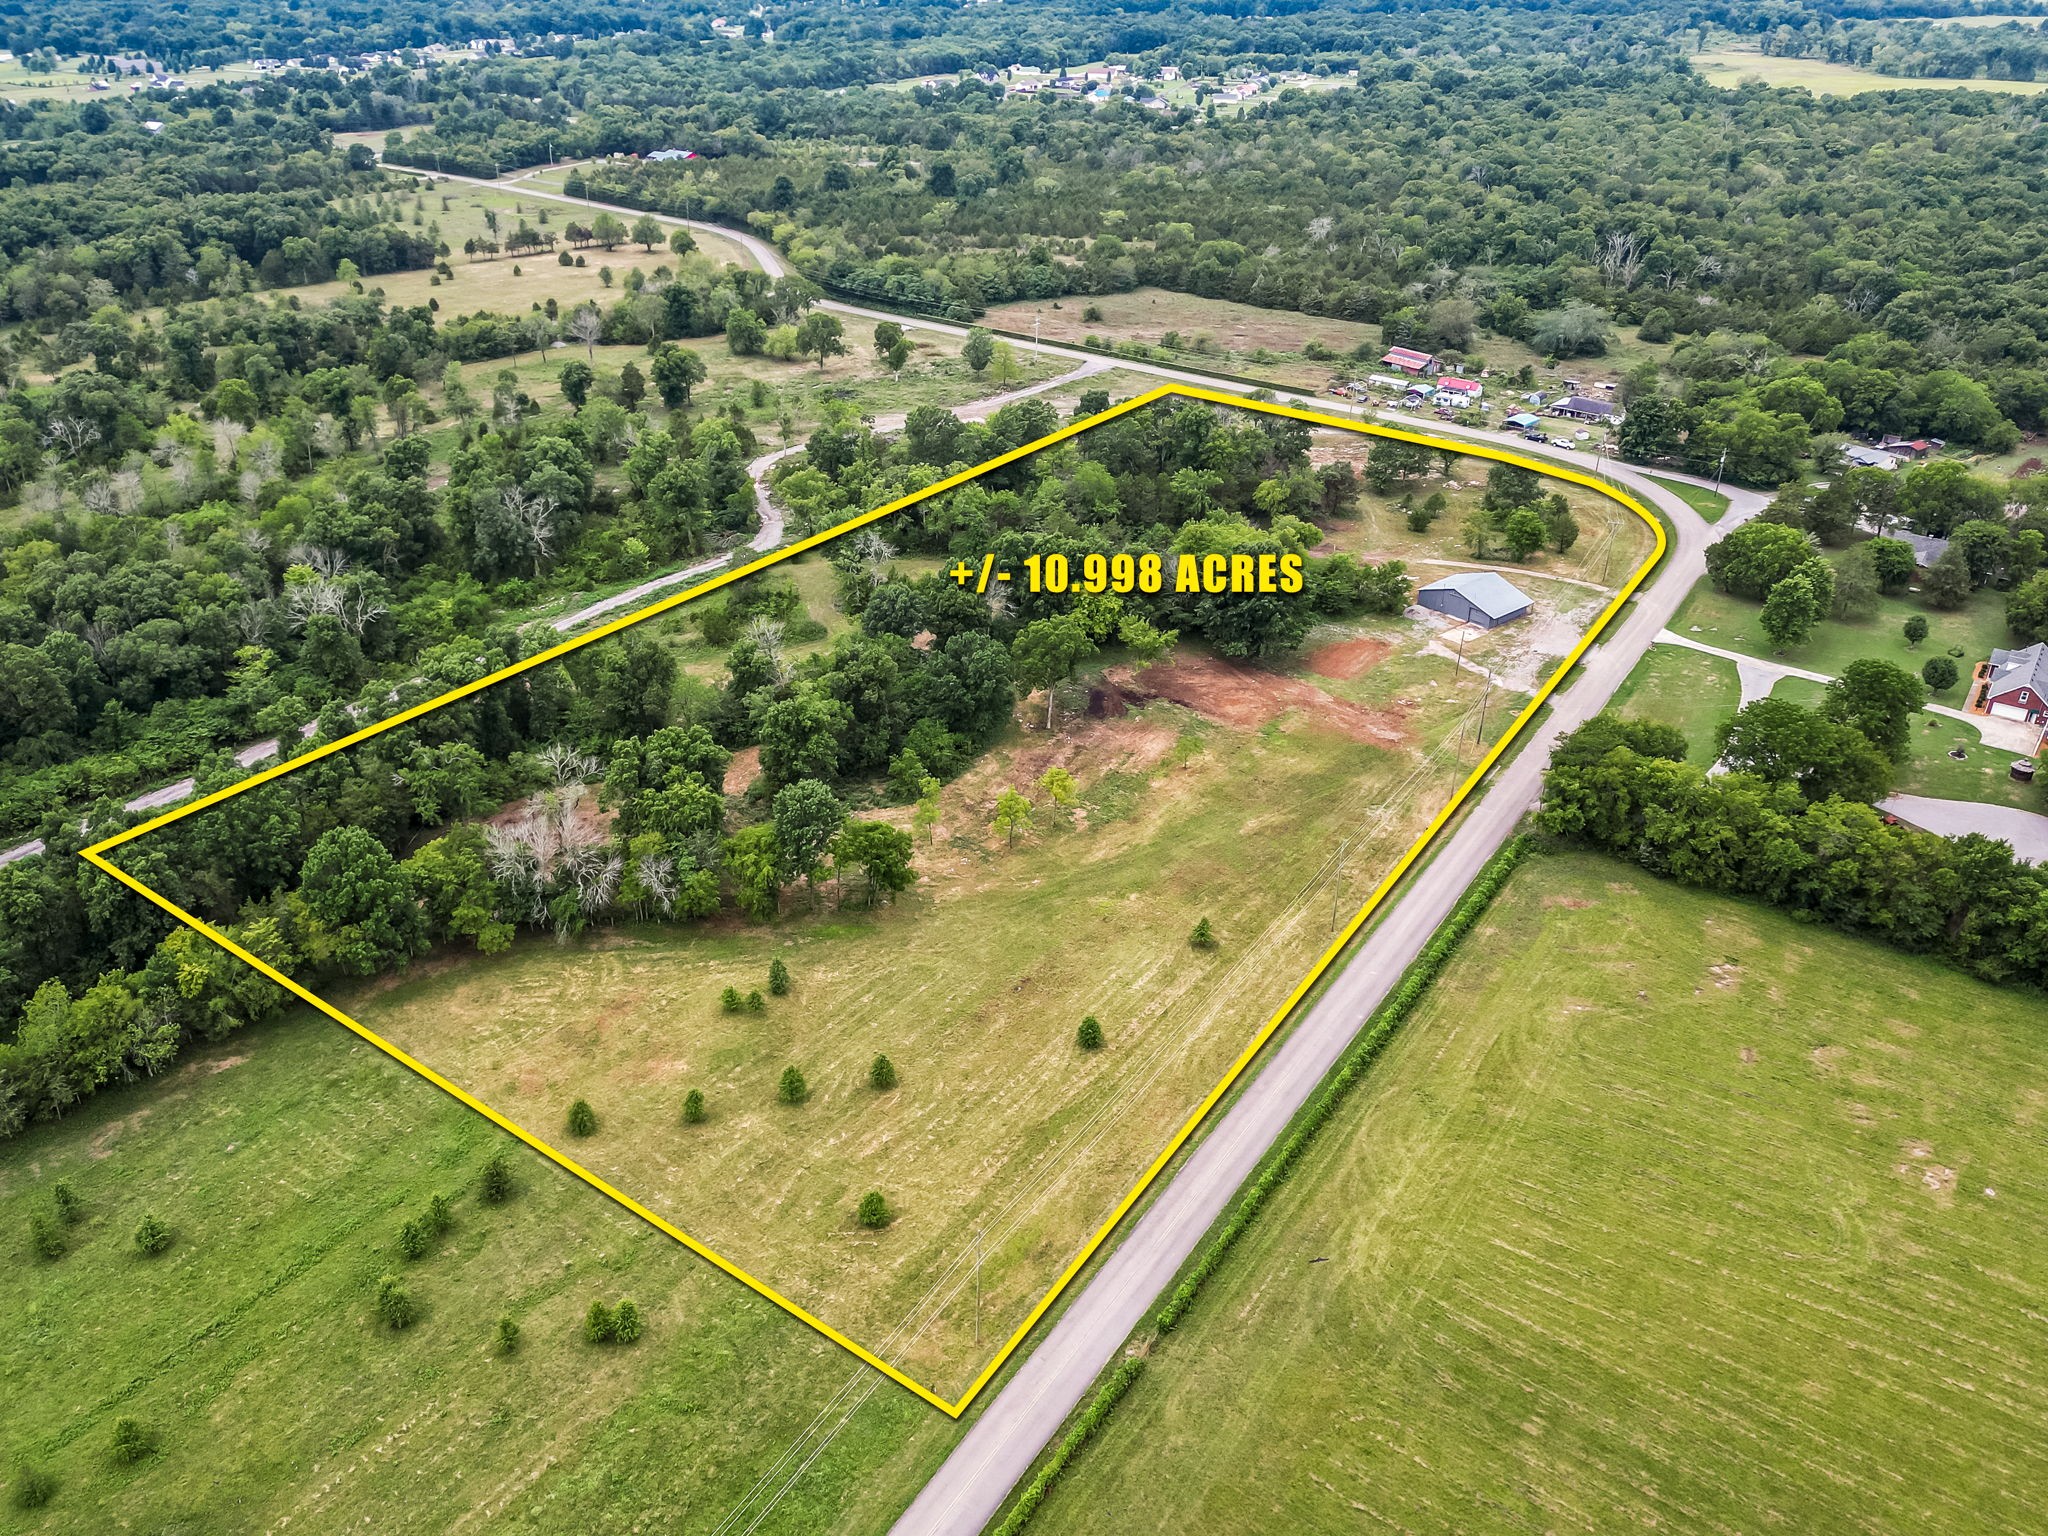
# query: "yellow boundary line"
[96,855]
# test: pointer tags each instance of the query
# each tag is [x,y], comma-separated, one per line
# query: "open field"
[1267,343]
[1732,66]
[1002,1137]
[1689,689]
[1644,1220]
[67,84]
[1715,618]
[285,1162]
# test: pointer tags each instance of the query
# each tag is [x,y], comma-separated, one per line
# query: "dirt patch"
[102,1143]
[1724,974]
[1569,903]
[1749,1055]
[1828,1058]
[1346,659]
[1246,699]
[741,772]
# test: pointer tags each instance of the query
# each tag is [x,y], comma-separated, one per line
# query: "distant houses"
[1476,597]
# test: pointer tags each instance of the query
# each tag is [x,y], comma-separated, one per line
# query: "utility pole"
[1336,882]
[1479,736]
[1717,470]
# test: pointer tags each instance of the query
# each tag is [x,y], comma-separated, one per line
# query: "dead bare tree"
[586,325]
[534,516]
[71,434]
[1621,257]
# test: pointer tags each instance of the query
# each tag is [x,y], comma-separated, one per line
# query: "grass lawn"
[1000,1132]
[1612,540]
[1715,618]
[1674,686]
[1732,66]
[1710,504]
[285,1160]
[1646,1219]
[1980,775]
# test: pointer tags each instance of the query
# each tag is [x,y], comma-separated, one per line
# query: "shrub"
[1204,937]
[152,1237]
[1939,673]
[693,1107]
[1089,1035]
[439,1217]
[626,1322]
[756,1003]
[599,1325]
[582,1119]
[873,1212]
[792,1089]
[730,1000]
[70,1209]
[882,1075]
[508,1336]
[33,1487]
[778,978]
[494,1184]
[396,1309]
[1916,629]
[132,1441]
[414,1239]
[45,1234]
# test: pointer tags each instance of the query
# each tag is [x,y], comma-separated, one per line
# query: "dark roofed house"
[2016,684]
[1410,361]
[1579,408]
[1475,597]
[1926,548]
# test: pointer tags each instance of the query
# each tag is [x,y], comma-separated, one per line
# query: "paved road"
[2027,831]
[967,1490]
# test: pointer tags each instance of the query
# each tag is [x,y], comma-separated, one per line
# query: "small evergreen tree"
[508,1336]
[599,1326]
[778,977]
[45,1234]
[792,1089]
[873,1212]
[1089,1035]
[152,1237]
[882,1075]
[33,1487]
[626,1322]
[396,1309]
[1916,629]
[730,1000]
[1204,937]
[756,1003]
[1939,674]
[70,1209]
[494,1184]
[413,1239]
[582,1119]
[132,1441]
[693,1107]
[439,1216]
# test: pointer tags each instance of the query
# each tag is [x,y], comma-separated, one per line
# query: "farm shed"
[1475,597]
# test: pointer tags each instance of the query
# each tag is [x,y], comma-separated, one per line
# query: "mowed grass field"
[285,1161]
[1663,1212]
[1689,689]
[1730,67]
[1004,1144]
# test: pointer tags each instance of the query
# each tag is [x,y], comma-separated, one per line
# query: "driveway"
[2027,831]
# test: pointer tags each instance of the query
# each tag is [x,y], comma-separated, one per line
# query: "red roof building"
[1409,361]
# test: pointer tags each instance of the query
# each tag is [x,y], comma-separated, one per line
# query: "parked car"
[1533,435]
[1560,442]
